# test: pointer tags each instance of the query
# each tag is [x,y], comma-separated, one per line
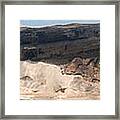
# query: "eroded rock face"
[45,81]
[88,68]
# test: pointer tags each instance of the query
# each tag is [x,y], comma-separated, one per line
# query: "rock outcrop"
[45,81]
[87,68]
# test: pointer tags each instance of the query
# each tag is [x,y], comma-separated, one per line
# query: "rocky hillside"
[59,44]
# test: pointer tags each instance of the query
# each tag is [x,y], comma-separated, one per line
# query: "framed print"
[60,59]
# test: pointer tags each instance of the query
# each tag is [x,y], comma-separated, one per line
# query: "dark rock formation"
[60,44]
[87,68]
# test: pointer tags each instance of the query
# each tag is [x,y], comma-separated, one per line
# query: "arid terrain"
[60,62]
[45,81]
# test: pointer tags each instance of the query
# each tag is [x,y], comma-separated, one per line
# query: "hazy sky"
[54,22]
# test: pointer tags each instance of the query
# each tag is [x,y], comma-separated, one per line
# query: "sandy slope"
[45,81]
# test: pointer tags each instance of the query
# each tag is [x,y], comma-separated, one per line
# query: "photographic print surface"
[60,59]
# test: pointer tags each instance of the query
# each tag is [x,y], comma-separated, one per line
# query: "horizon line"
[43,23]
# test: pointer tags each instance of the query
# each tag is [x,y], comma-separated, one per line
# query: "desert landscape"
[60,62]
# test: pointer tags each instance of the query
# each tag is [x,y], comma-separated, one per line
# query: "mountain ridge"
[60,42]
